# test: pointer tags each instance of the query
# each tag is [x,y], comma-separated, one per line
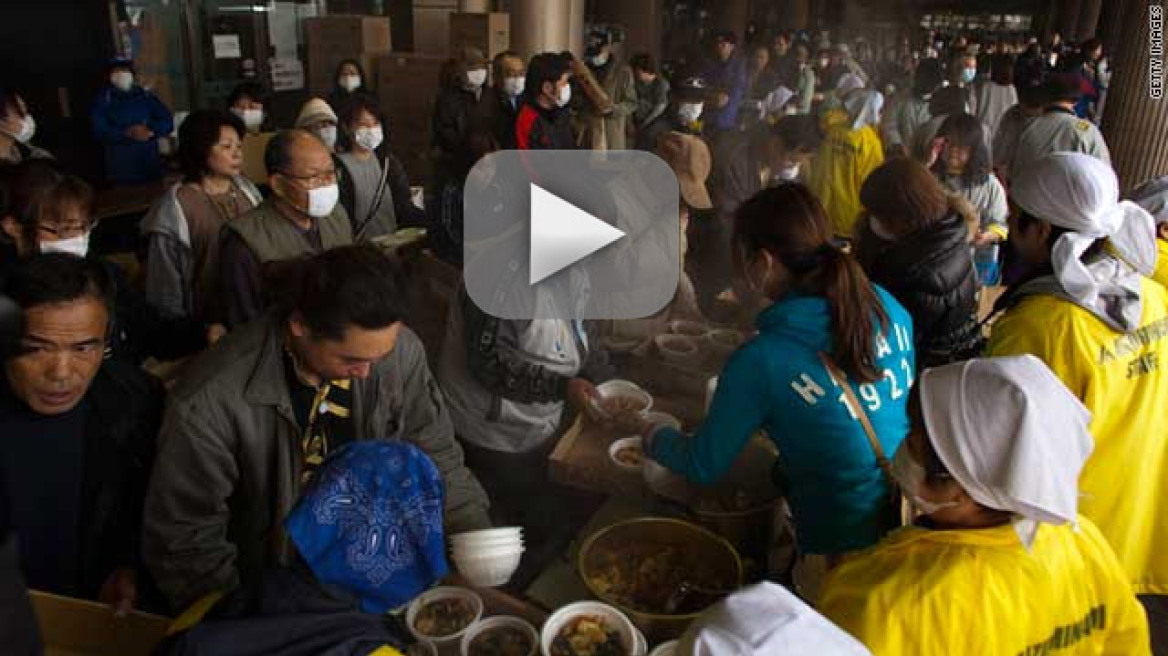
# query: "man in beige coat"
[606,127]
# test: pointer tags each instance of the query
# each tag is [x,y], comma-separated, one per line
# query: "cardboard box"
[350,35]
[74,627]
[490,33]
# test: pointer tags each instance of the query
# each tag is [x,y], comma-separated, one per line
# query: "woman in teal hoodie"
[824,310]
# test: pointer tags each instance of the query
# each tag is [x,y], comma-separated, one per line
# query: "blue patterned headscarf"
[370,521]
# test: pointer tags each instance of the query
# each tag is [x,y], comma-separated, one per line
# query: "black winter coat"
[931,273]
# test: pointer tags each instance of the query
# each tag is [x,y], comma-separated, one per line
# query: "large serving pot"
[706,547]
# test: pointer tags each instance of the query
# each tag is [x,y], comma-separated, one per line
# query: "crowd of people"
[857,209]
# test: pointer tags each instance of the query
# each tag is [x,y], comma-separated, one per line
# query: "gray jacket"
[229,458]
[170,281]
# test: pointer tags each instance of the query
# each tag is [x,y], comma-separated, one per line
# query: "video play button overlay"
[571,234]
[562,234]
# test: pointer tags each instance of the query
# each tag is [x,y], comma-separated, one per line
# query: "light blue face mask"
[969,75]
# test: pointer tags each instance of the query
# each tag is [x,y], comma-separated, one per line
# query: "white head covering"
[848,82]
[864,107]
[765,620]
[1011,434]
[1080,193]
[1153,197]
[777,100]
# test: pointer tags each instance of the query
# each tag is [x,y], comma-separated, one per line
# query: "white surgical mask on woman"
[323,200]
[600,59]
[123,80]
[27,130]
[565,96]
[350,83]
[689,112]
[369,138]
[476,78]
[513,86]
[252,118]
[328,135]
[911,477]
[78,245]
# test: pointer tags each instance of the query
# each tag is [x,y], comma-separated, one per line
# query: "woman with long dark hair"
[827,327]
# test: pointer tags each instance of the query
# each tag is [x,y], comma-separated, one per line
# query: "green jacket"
[229,458]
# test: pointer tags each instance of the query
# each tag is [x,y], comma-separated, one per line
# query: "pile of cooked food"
[646,578]
[502,641]
[444,617]
[588,635]
[630,456]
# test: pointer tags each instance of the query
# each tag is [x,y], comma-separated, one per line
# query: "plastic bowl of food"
[687,328]
[724,341]
[627,454]
[677,349]
[587,625]
[616,396]
[665,649]
[442,615]
[421,648]
[489,571]
[659,478]
[502,635]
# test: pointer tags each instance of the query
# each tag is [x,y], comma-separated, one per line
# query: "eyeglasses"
[66,231]
[314,181]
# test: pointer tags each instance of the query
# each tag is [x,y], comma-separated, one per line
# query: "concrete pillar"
[796,15]
[1088,20]
[1134,120]
[641,20]
[474,6]
[544,25]
[576,26]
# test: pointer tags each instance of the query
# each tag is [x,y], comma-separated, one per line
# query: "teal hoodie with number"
[777,382]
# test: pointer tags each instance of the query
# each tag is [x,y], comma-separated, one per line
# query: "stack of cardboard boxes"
[408,85]
[333,39]
[490,33]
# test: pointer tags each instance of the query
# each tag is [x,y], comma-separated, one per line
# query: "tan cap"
[315,111]
[470,56]
[689,157]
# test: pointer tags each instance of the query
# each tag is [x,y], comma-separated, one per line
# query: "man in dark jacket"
[725,72]
[79,435]
[543,122]
[461,105]
[252,419]
[505,97]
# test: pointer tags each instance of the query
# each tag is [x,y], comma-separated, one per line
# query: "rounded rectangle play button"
[571,234]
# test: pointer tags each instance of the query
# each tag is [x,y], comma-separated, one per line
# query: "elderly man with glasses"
[301,218]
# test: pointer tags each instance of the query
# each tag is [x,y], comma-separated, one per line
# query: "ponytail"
[856,313]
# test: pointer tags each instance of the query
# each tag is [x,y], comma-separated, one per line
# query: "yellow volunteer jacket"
[1123,381]
[845,159]
[979,592]
[1160,275]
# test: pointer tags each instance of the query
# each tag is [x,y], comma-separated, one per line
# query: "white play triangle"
[562,234]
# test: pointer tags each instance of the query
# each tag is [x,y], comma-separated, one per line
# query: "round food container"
[621,454]
[496,624]
[422,610]
[687,328]
[629,394]
[665,649]
[677,349]
[614,621]
[723,341]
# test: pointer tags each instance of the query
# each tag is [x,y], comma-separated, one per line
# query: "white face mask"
[513,86]
[123,80]
[689,112]
[350,83]
[78,245]
[565,96]
[911,476]
[323,200]
[476,78]
[788,173]
[328,135]
[27,130]
[824,63]
[369,138]
[252,118]
[600,59]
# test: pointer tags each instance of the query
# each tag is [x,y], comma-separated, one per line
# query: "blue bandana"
[370,521]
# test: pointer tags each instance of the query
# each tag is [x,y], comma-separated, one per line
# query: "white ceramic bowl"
[687,328]
[435,594]
[486,543]
[665,649]
[624,443]
[500,621]
[488,571]
[507,531]
[615,389]
[678,349]
[612,617]
[487,552]
[724,341]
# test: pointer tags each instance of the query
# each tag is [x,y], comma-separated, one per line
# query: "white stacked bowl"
[488,558]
